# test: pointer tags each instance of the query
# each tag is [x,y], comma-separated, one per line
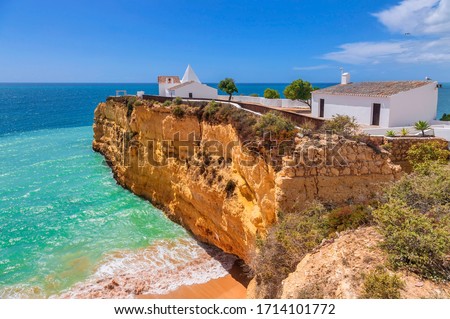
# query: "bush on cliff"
[287,242]
[276,125]
[178,112]
[209,112]
[178,100]
[216,113]
[347,217]
[230,187]
[424,153]
[341,125]
[130,105]
[415,223]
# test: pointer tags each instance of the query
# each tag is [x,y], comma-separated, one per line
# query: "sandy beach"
[232,286]
[222,288]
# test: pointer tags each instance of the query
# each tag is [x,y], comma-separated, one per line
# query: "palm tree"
[422,126]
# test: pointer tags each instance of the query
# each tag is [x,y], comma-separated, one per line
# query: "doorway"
[376,109]
[321,108]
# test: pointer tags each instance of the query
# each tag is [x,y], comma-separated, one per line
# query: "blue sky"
[251,41]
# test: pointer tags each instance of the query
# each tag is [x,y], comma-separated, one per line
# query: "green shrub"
[341,125]
[210,110]
[379,284]
[390,133]
[177,100]
[287,242]
[271,94]
[254,94]
[275,124]
[230,187]
[433,151]
[347,217]
[307,128]
[445,117]
[413,240]
[404,132]
[178,112]
[167,103]
[243,122]
[138,103]
[130,105]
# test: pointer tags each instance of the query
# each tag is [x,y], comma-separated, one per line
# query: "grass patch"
[379,284]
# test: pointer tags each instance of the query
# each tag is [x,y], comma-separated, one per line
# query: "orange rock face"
[188,168]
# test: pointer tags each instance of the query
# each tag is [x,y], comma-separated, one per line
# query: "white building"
[383,104]
[189,86]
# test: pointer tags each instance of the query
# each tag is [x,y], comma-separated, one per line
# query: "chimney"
[345,78]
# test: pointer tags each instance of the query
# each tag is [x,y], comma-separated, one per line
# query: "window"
[190,95]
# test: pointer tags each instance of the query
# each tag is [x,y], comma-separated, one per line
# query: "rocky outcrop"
[337,269]
[222,193]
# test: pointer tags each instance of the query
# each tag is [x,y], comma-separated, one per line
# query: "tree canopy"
[228,86]
[271,94]
[299,90]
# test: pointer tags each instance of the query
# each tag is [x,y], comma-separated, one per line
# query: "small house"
[189,86]
[384,104]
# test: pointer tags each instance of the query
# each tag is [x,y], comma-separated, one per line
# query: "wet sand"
[232,286]
[222,288]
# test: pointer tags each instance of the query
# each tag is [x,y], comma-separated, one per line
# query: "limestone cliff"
[337,269]
[150,152]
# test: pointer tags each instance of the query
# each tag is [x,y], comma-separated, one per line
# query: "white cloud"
[414,51]
[428,21]
[311,68]
[417,17]
[365,52]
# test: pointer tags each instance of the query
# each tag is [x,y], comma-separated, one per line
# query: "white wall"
[414,105]
[442,131]
[198,90]
[358,106]
[293,103]
[163,87]
[266,102]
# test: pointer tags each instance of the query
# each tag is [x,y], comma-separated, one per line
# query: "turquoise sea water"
[61,211]
[65,225]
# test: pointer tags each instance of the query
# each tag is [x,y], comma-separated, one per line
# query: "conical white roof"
[190,75]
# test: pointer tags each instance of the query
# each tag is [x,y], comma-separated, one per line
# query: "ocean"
[66,228]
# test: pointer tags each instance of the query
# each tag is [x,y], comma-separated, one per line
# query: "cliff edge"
[205,177]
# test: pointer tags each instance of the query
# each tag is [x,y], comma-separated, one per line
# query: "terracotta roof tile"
[163,78]
[378,89]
